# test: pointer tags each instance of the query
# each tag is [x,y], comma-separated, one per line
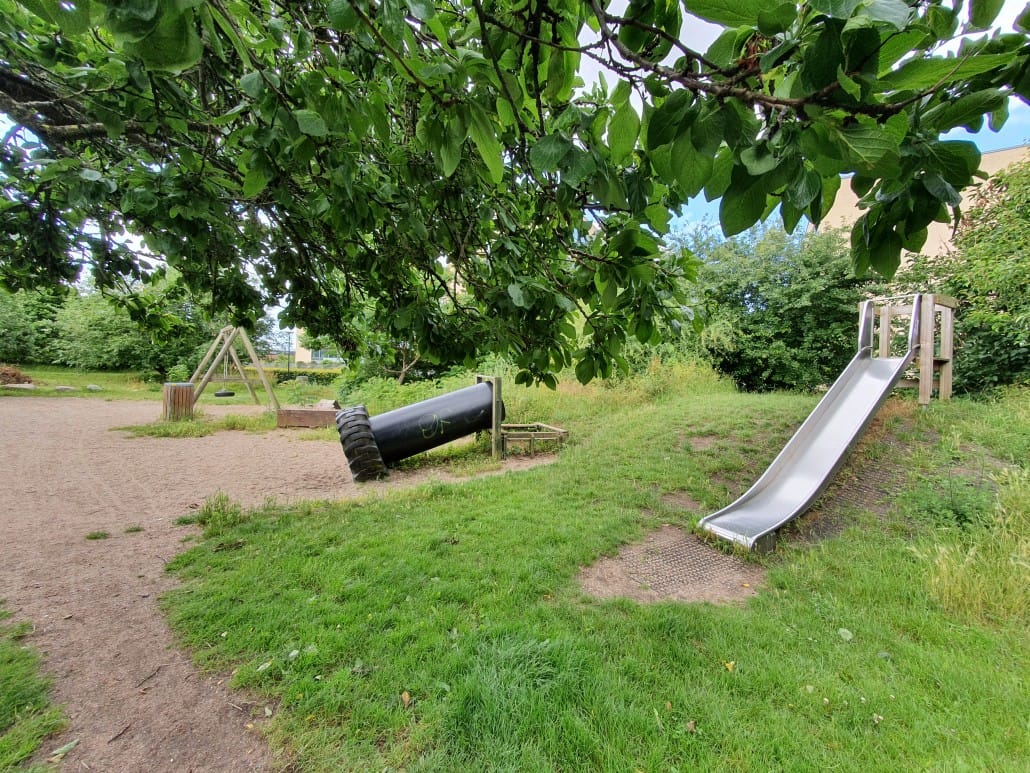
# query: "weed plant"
[26,716]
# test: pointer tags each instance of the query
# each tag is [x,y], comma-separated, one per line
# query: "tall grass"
[983,575]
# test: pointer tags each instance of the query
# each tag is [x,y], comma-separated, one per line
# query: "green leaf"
[777,20]
[254,182]
[485,140]
[585,370]
[893,12]
[940,189]
[759,159]
[848,86]
[72,18]
[742,204]
[982,13]
[622,132]
[311,123]
[804,189]
[548,152]
[965,110]
[692,169]
[728,13]
[252,84]
[517,296]
[423,10]
[663,126]
[956,160]
[621,93]
[864,145]
[923,74]
[722,170]
[174,44]
[342,15]
[837,9]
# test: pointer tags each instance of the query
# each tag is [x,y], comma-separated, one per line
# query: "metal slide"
[807,464]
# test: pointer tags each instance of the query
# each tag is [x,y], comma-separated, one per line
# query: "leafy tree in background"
[784,309]
[17,334]
[445,162]
[989,273]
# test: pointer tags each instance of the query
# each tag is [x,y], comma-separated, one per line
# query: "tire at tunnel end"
[359,444]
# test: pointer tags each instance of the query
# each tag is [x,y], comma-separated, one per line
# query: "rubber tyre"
[359,444]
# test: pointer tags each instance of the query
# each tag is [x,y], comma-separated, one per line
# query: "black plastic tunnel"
[372,443]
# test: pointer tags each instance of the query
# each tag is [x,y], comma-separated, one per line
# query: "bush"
[782,310]
[325,377]
[18,339]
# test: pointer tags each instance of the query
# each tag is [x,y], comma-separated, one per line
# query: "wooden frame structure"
[222,348]
[936,342]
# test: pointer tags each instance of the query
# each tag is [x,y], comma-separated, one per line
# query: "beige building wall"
[301,353]
[845,209]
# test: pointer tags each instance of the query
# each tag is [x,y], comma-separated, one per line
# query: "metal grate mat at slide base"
[672,565]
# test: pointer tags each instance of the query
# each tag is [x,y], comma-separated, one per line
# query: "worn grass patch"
[26,716]
[442,628]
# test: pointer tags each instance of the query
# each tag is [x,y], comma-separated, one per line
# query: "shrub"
[17,343]
[782,310]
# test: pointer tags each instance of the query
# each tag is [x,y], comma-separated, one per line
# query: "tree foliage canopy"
[447,164]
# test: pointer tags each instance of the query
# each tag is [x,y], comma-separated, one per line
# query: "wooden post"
[945,360]
[927,344]
[496,441]
[178,401]
[885,330]
[249,347]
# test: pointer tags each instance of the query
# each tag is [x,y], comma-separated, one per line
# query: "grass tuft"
[219,514]
[98,534]
[26,716]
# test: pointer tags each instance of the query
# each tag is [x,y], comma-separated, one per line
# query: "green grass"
[442,628]
[129,386]
[97,535]
[202,426]
[26,716]
[113,386]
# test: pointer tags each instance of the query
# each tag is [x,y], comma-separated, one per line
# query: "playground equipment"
[222,352]
[181,397]
[371,443]
[807,464]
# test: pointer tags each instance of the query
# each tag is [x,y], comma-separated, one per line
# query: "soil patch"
[133,701]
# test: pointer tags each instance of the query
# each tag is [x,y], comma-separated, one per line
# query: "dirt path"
[134,702]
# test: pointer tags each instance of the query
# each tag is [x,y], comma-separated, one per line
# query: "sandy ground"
[133,701]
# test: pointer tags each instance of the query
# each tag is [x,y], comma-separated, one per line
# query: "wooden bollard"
[178,400]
